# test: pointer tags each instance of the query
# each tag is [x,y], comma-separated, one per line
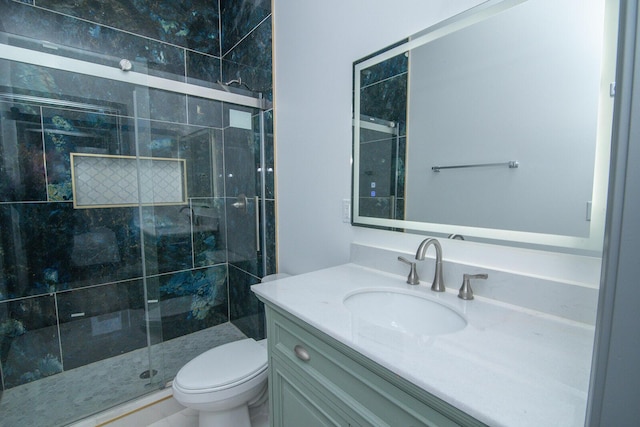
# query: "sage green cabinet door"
[293,404]
[331,385]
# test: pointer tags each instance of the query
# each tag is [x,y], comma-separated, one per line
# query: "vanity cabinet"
[317,381]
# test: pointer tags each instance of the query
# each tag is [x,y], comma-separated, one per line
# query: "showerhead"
[223,85]
[237,82]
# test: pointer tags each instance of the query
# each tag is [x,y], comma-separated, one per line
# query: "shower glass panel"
[124,210]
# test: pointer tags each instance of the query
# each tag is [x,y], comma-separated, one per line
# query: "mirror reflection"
[494,125]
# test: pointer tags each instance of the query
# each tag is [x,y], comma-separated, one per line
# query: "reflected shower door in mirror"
[494,124]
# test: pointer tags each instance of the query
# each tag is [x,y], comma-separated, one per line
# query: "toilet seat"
[240,361]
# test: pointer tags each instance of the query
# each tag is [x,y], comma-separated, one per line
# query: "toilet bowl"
[222,383]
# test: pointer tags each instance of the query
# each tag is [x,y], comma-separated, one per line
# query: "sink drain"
[148,374]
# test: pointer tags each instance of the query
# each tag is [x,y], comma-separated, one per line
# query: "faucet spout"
[438,282]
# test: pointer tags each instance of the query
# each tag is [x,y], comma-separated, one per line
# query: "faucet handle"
[466,293]
[413,278]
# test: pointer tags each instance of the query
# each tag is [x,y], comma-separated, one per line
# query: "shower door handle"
[257,202]
[241,202]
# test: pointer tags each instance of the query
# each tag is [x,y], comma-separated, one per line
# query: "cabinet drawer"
[364,391]
[296,402]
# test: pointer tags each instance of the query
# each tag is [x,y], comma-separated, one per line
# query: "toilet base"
[236,417]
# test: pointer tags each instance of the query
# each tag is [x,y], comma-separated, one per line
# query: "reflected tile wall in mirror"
[383,92]
[386,100]
[392,67]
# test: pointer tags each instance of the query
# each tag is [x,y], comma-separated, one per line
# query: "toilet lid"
[223,366]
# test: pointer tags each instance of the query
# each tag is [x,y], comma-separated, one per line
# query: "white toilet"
[222,383]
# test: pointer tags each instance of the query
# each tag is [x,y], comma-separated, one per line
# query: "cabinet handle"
[302,353]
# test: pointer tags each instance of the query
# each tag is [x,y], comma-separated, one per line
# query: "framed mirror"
[494,125]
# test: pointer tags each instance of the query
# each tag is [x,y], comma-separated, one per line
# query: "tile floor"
[189,418]
[75,394]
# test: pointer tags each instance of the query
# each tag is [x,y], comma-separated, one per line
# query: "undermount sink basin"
[404,312]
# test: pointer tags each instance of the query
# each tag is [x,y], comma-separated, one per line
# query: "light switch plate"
[346,211]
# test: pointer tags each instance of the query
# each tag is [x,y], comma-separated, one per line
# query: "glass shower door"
[76,335]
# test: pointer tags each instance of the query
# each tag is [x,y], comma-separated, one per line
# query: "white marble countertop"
[508,367]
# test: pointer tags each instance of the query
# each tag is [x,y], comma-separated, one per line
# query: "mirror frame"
[592,243]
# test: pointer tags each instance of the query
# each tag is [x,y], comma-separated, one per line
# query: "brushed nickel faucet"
[412,278]
[438,283]
[466,292]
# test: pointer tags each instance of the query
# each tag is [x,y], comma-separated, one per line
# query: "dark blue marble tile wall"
[67,131]
[242,157]
[242,244]
[270,250]
[23,79]
[173,40]
[168,39]
[22,174]
[246,44]
[28,340]
[203,70]
[239,18]
[88,40]
[246,311]
[91,260]
[191,24]
[209,231]
[48,248]
[101,322]
[204,112]
[193,300]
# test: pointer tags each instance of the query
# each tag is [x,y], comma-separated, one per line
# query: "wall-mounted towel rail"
[512,164]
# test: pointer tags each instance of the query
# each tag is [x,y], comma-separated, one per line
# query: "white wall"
[315,44]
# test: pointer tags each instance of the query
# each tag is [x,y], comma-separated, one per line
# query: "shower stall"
[136,209]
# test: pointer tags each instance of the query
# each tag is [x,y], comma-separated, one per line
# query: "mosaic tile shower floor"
[71,395]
